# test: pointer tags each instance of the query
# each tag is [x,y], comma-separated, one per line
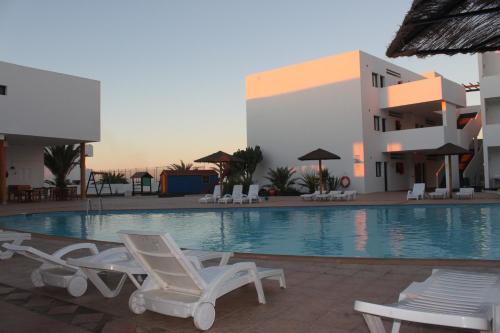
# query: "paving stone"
[87,318]
[63,309]
[6,290]
[18,296]
[39,301]
[120,326]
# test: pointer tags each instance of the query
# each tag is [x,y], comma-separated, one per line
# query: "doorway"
[419,173]
[385,177]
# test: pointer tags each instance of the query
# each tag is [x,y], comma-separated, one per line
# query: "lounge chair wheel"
[36,278]
[204,316]
[136,303]
[77,286]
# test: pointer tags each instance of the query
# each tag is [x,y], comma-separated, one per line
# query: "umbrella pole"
[450,185]
[221,179]
[320,179]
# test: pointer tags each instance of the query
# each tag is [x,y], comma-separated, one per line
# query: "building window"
[375,79]
[383,125]
[376,123]
[378,169]
[3,90]
[397,125]
[382,81]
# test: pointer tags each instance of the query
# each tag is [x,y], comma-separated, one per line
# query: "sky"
[173,73]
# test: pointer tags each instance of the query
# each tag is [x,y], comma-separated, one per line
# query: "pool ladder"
[90,206]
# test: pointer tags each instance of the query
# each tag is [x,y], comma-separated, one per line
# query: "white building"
[489,76]
[41,108]
[378,117]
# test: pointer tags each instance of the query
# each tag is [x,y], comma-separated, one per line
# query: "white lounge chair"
[174,287]
[253,194]
[310,196]
[119,260]
[465,193]
[350,195]
[327,196]
[211,198]
[417,192]
[55,271]
[447,298]
[15,238]
[439,193]
[236,196]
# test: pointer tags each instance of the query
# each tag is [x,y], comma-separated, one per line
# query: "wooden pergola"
[448,27]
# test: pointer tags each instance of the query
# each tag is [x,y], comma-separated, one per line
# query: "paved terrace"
[319,297]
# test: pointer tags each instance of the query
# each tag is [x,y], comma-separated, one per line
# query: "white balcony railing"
[412,139]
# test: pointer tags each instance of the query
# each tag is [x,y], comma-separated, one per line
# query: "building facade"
[489,76]
[37,109]
[378,117]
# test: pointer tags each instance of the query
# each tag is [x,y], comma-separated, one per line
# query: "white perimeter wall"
[296,109]
[47,104]
[25,165]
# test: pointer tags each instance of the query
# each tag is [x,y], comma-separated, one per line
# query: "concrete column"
[83,181]
[450,115]
[3,171]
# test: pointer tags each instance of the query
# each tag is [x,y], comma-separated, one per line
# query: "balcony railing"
[412,139]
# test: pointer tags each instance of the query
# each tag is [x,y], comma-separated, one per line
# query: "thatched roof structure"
[319,154]
[218,157]
[447,149]
[448,27]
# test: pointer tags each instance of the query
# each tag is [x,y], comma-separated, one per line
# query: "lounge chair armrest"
[74,247]
[229,274]
[195,261]
[114,252]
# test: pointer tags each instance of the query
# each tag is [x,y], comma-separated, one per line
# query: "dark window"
[378,169]
[397,125]
[382,81]
[375,79]
[376,123]
[204,179]
[383,124]
[3,90]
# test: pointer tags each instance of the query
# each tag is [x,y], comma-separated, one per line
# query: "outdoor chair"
[417,192]
[450,298]
[439,193]
[15,238]
[211,198]
[175,287]
[465,193]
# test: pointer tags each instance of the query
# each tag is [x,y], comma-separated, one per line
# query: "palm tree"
[60,160]
[250,157]
[181,166]
[309,180]
[282,179]
[114,178]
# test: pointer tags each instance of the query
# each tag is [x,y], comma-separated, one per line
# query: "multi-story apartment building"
[489,76]
[381,119]
[37,109]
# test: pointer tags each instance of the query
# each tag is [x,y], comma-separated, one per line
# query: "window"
[397,125]
[383,124]
[3,90]
[378,169]
[376,123]
[382,81]
[375,79]
[205,179]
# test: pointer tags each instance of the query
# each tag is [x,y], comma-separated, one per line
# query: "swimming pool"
[403,231]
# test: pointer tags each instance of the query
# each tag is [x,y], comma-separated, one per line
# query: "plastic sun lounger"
[175,288]
[55,271]
[253,194]
[417,192]
[439,193]
[14,238]
[447,298]
[211,198]
[119,260]
[237,195]
[310,196]
[465,193]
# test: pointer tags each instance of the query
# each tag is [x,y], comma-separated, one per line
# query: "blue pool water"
[413,231]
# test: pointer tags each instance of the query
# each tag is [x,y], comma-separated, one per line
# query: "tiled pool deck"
[319,297]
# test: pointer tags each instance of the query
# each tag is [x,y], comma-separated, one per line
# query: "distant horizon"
[173,73]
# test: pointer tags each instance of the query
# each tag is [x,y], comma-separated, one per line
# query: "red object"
[345,181]
[272,191]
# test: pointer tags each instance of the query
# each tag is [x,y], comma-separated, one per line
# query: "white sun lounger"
[211,198]
[325,196]
[55,271]
[253,194]
[439,193]
[310,196]
[175,288]
[465,193]
[417,192]
[447,298]
[15,238]
[237,195]
[119,260]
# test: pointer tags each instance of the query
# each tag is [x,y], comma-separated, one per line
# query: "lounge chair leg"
[495,322]
[396,325]
[258,287]
[374,323]
[282,280]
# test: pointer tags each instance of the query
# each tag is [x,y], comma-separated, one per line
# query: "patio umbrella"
[448,150]
[222,160]
[319,155]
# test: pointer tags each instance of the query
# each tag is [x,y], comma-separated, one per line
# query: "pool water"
[404,231]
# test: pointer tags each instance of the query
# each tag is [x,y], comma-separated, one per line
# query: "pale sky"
[173,72]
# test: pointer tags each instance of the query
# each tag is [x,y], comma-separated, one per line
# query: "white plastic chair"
[465,193]
[447,298]
[439,193]
[237,195]
[310,196]
[417,192]
[119,260]
[175,288]
[350,195]
[211,198]
[253,194]
[15,238]
[55,271]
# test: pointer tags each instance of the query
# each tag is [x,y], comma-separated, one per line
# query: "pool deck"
[319,297]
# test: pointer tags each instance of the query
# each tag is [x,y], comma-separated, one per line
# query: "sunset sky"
[173,72]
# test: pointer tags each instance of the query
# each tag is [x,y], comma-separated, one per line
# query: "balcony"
[422,94]
[492,135]
[412,139]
